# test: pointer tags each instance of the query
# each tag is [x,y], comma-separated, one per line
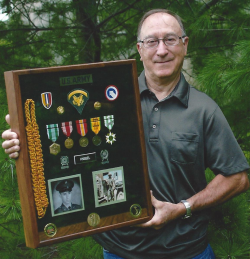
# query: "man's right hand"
[11,143]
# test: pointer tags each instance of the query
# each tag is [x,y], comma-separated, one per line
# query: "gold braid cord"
[36,159]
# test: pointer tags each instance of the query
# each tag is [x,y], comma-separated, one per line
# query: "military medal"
[95,124]
[46,99]
[109,123]
[78,98]
[50,230]
[67,129]
[53,134]
[93,219]
[135,210]
[82,129]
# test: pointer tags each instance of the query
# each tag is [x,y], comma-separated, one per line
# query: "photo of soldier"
[109,187]
[66,196]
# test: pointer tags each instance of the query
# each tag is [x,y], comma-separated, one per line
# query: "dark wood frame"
[33,237]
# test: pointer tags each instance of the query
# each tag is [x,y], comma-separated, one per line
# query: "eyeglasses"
[169,40]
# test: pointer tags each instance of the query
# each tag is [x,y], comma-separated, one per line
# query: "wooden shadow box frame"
[109,88]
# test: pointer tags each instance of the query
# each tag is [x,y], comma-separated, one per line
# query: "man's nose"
[162,49]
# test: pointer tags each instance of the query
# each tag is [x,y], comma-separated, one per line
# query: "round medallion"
[50,230]
[60,109]
[96,140]
[83,142]
[69,143]
[93,219]
[135,210]
[97,105]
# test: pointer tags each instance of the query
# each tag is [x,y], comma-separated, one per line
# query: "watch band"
[188,208]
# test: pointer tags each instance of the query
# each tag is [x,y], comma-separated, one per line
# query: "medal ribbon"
[67,128]
[52,132]
[109,121]
[81,126]
[95,124]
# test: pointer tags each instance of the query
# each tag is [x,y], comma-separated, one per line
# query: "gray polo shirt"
[184,133]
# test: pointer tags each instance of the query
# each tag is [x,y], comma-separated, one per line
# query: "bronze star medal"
[95,125]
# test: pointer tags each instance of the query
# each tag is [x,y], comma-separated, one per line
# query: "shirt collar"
[181,93]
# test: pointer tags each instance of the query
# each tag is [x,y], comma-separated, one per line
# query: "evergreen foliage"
[49,33]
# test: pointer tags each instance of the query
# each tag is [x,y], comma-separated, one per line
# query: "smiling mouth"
[162,62]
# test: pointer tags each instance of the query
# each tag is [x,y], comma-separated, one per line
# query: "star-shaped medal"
[110,138]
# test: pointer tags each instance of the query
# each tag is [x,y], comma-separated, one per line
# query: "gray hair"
[153,11]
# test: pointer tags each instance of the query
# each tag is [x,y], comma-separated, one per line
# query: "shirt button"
[154,126]
[156,109]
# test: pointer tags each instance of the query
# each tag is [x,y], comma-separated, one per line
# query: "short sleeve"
[223,153]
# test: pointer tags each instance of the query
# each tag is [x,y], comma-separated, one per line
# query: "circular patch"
[135,210]
[111,92]
[50,229]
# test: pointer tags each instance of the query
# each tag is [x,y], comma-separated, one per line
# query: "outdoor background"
[65,32]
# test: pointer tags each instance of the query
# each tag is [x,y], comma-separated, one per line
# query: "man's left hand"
[164,213]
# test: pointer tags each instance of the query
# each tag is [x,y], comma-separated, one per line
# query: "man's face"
[162,62]
[66,198]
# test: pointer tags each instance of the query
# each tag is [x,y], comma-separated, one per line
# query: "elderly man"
[185,133]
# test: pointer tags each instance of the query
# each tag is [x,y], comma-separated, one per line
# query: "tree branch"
[115,14]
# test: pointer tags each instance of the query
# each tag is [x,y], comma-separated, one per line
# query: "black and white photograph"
[109,186]
[66,195]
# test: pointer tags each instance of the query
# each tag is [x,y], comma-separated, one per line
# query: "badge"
[53,134]
[95,125]
[97,105]
[93,219]
[50,230]
[104,155]
[82,129]
[46,99]
[110,138]
[135,210]
[67,129]
[111,92]
[78,98]
[64,162]
[85,158]
[60,109]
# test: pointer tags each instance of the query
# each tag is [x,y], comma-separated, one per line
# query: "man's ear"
[138,45]
[185,43]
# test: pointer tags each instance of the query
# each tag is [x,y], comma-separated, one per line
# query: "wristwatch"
[188,208]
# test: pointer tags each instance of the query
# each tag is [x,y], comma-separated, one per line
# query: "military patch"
[64,162]
[78,99]
[46,99]
[111,92]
